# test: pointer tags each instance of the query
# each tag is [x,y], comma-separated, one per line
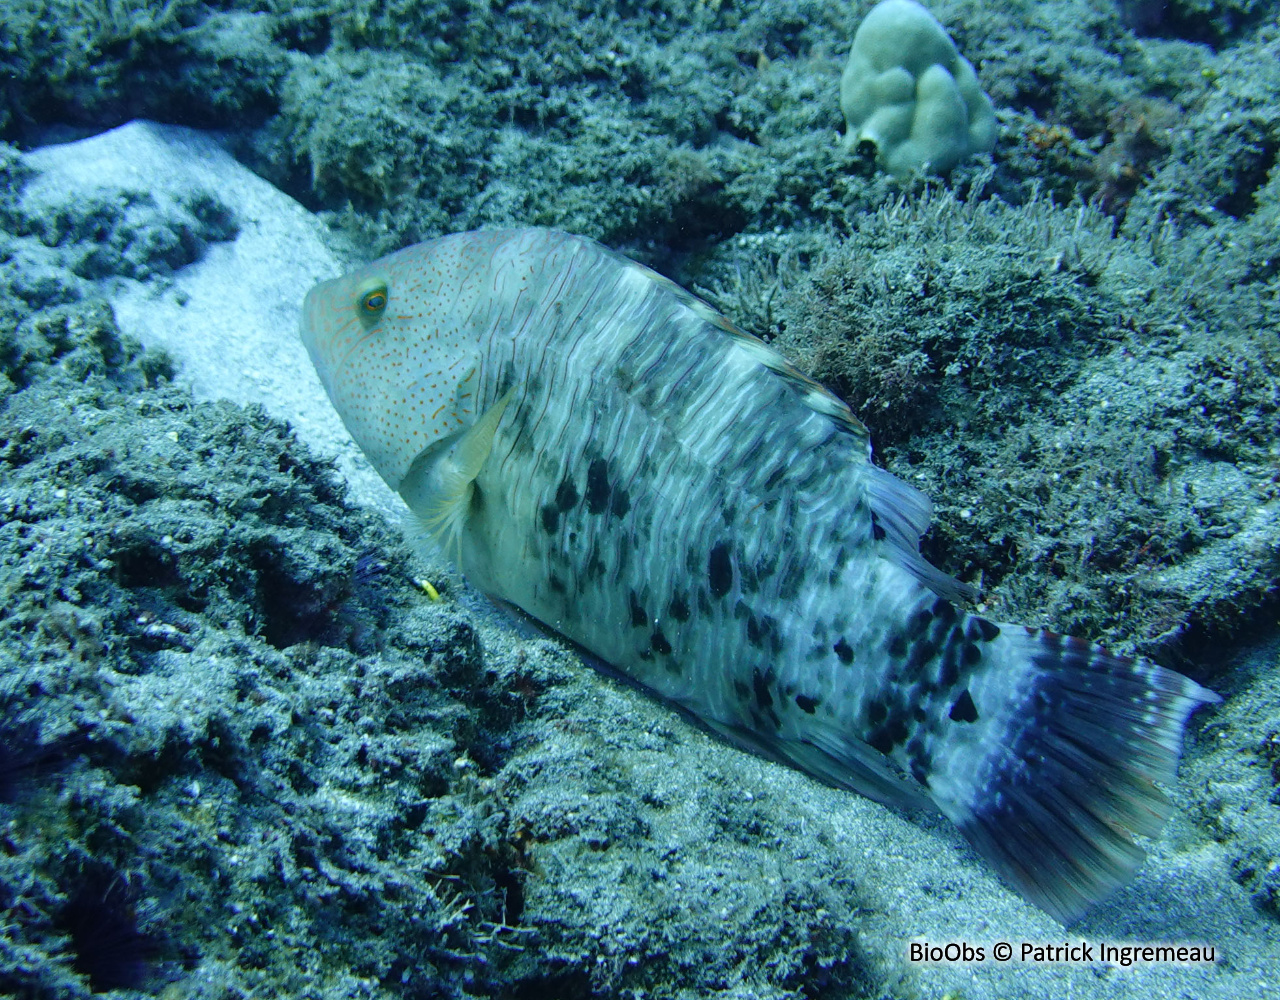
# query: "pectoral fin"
[440,492]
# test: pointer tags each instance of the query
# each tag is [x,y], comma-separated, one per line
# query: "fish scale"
[650,440]
[602,450]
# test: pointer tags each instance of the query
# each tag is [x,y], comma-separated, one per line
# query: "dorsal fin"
[903,513]
[814,394]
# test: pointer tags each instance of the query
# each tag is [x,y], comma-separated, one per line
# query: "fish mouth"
[306,328]
[307,333]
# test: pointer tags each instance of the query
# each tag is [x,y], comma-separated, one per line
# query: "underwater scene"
[640,499]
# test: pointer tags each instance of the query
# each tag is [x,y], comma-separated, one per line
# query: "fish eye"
[371,301]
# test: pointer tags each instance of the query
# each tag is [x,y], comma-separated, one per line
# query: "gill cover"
[394,351]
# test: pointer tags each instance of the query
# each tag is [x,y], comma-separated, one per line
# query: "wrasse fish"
[602,450]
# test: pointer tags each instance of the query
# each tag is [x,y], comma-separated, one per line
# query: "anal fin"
[834,759]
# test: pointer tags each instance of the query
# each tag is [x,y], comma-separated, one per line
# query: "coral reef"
[908,93]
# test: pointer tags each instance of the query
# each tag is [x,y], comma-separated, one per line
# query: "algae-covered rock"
[1095,454]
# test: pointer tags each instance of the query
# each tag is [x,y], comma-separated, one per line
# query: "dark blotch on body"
[566,494]
[595,565]
[837,566]
[944,611]
[843,650]
[597,486]
[921,763]
[964,710]
[679,608]
[720,570]
[638,616]
[550,518]
[922,652]
[659,642]
[507,379]
[949,671]
[806,704]
[889,735]
[761,682]
[980,628]
[793,577]
[760,685]
[769,626]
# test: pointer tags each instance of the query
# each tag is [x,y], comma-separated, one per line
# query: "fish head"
[396,345]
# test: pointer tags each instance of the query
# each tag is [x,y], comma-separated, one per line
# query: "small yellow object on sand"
[428,588]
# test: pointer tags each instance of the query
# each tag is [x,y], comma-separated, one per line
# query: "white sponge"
[908,91]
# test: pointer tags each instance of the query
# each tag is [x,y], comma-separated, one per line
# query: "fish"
[602,450]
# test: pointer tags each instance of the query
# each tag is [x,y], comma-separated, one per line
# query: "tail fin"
[1062,771]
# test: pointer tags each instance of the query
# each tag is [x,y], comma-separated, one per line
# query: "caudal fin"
[1062,771]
